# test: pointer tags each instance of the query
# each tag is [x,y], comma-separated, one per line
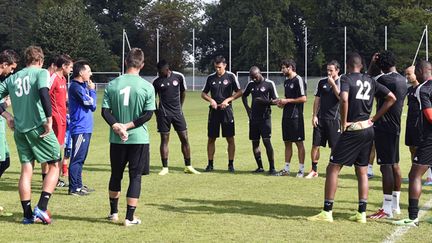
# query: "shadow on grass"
[16,218]
[273,210]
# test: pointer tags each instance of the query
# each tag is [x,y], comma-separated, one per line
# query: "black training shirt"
[169,89]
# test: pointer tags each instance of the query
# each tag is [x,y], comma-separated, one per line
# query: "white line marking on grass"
[400,231]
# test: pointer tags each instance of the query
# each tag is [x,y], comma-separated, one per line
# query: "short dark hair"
[386,60]
[63,59]
[33,54]
[219,59]
[334,63]
[135,58]
[289,63]
[422,64]
[9,57]
[78,67]
[161,64]
[354,59]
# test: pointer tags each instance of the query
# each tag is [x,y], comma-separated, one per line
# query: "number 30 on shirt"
[364,90]
[23,86]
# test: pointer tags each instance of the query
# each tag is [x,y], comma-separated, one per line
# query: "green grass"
[208,207]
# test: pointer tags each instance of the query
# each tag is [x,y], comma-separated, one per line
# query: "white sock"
[370,169]
[287,166]
[429,173]
[396,198]
[301,168]
[387,204]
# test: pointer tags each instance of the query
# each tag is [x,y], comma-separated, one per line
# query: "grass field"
[218,206]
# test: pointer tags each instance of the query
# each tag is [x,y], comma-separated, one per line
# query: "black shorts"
[137,155]
[387,147]
[423,154]
[353,148]
[412,136]
[164,123]
[293,129]
[327,130]
[221,118]
[261,128]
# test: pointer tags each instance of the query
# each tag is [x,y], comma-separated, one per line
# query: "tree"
[112,16]
[55,35]
[248,21]
[16,27]
[175,20]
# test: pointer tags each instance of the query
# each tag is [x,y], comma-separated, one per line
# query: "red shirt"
[58,91]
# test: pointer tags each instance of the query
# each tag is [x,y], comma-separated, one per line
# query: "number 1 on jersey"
[126,92]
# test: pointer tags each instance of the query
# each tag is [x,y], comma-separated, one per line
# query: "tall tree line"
[92,29]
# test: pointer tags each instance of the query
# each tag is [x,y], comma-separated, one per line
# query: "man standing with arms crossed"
[354,145]
[129,102]
[34,138]
[170,86]
[221,84]
[325,117]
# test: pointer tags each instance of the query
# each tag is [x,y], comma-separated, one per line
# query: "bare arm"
[246,105]
[182,97]
[334,86]
[226,102]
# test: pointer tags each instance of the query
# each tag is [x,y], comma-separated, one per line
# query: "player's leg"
[213,132]
[4,165]
[414,189]
[228,131]
[428,181]
[288,155]
[118,160]
[79,153]
[136,156]
[301,157]
[24,188]
[257,155]
[371,162]
[363,190]
[164,150]
[185,148]
[265,132]
[44,170]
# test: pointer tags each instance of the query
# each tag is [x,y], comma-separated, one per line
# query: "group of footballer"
[342,111]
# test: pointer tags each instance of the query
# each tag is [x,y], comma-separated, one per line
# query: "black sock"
[231,162]
[4,165]
[43,176]
[130,212]
[259,161]
[26,206]
[362,205]
[43,200]
[328,205]
[114,205]
[413,208]
[187,162]
[271,165]
[165,162]
[210,162]
[314,166]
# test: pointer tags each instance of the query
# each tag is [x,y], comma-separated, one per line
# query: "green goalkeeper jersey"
[128,96]
[23,89]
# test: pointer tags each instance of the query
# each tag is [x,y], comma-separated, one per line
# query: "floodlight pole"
[123,50]
[427,43]
[193,60]
[345,49]
[229,44]
[385,38]
[157,45]
[306,53]
[267,52]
